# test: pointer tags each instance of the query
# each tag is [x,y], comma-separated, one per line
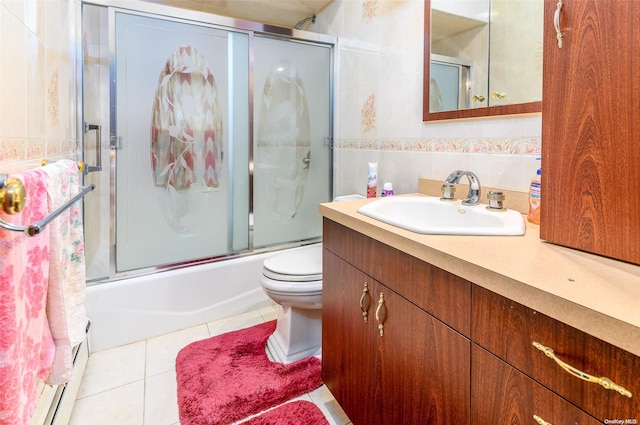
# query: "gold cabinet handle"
[12,194]
[364,303]
[478,98]
[498,95]
[541,421]
[556,23]
[381,314]
[603,381]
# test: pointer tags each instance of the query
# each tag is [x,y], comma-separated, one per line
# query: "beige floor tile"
[121,406]
[112,368]
[269,313]
[323,398]
[136,384]
[161,399]
[162,350]
[235,323]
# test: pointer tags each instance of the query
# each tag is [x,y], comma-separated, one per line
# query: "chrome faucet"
[474,186]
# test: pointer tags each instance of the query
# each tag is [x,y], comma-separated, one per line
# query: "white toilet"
[293,279]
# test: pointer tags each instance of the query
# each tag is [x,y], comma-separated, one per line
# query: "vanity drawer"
[509,330]
[444,295]
[500,394]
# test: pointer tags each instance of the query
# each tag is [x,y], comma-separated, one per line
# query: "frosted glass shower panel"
[95,95]
[174,98]
[292,156]
[449,85]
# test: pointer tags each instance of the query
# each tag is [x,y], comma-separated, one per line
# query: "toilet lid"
[299,265]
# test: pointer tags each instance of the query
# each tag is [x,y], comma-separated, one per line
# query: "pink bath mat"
[229,377]
[294,413]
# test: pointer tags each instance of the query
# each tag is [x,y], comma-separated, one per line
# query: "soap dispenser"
[534,198]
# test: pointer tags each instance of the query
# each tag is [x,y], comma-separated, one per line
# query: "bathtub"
[138,308]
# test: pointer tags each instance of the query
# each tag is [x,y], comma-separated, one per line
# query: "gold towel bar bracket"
[13,194]
[13,198]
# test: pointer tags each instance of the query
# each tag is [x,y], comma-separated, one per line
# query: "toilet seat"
[284,288]
[296,266]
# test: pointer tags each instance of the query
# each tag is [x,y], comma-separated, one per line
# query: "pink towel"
[65,300]
[26,347]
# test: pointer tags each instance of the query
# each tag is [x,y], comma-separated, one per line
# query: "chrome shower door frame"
[106,268]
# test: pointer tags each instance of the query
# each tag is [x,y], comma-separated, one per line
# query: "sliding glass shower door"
[181,134]
[292,154]
[216,140]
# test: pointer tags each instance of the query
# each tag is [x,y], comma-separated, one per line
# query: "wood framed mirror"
[470,108]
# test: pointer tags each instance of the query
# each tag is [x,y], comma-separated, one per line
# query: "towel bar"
[36,228]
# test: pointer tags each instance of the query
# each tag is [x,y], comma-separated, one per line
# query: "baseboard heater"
[55,403]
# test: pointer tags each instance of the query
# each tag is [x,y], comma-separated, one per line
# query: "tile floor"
[136,384]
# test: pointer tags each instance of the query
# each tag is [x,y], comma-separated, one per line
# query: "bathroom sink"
[430,215]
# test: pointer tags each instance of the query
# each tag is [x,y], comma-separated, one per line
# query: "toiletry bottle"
[387,189]
[534,198]
[372,180]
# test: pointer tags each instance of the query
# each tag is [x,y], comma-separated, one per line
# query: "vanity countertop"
[594,294]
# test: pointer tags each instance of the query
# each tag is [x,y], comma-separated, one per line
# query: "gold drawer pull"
[381,314]
[541,421]
[605,382]
[364,303]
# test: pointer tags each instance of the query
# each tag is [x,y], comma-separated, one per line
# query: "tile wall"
[379,108]
[37,82]
[378,103]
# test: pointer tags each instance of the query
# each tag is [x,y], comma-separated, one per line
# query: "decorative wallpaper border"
[18,155]
[512,146]
[369,121]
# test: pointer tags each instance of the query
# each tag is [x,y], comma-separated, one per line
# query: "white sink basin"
[430,215]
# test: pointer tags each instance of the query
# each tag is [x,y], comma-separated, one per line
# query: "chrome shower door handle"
[98,167]
[306,161]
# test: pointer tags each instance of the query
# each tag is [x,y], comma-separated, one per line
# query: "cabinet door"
[422,366]
[347,340]
[508,330]
[438,292]
[591,129]
[503,395]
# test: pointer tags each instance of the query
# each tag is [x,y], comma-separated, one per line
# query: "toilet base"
[298,334]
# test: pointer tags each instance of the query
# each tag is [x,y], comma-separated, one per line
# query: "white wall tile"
[13,103]
[37,81]
[36,88]
[494,147]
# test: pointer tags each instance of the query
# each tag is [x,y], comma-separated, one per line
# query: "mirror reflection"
[484,54]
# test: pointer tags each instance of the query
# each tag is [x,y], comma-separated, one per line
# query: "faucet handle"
[448,190]
[495,200]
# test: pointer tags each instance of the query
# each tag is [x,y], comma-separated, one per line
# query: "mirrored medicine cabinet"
[482,58]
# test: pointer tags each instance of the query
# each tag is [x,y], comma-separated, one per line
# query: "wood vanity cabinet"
[453,352]
[401,365]
[501,394]
[508,330]
[591,129]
